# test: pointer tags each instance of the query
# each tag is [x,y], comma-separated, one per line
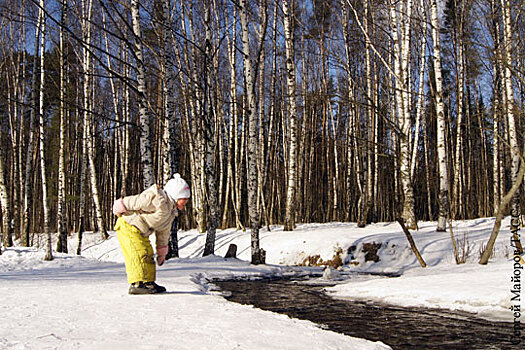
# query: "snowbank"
[77,302]
[82,302]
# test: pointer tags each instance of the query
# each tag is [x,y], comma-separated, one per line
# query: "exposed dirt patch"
[370,250]
[316,260]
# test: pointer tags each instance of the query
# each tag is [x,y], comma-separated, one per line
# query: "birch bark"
[146,154]
[42,28]
[444,184]
[6,206]
[29,183]
[458,164]
[420,92]
[511,117]
[498,182]
[289,223]
[209,142]
[401,58]
[252,136]
[61,205]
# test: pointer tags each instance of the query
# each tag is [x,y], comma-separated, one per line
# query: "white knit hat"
[177,188]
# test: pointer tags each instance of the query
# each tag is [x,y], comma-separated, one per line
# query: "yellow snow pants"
[138,252]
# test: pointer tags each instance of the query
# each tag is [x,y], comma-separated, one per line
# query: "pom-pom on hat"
[177,188]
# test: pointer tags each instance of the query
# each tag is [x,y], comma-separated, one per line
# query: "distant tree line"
[277,112]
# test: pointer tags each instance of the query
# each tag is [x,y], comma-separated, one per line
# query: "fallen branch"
[499,216]
[412,243]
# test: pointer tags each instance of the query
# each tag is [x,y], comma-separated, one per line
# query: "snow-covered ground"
[77,302]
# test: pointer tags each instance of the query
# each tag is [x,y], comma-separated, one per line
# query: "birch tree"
[460,76]
[444,186]
[146,156]
[507,42]
[29,169]
[291,187]
[209,141]
[401,24]
[497,180]
[251,114]
[6,206]
[42,29]
[169,157]
[61,203]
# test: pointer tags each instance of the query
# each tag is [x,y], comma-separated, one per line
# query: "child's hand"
[161,254]
[118,207]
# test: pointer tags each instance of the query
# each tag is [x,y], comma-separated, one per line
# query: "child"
[139,216]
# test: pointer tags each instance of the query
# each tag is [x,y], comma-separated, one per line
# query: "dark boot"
[146,288]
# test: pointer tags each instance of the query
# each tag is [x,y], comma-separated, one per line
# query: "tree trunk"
[42,29]
[401,56]
[83,168]
[289,223]
[6,207]
[498,182]
[485,255]
[458,205]
[421,94]
[29,183]
[146,156]
[370,117]
[252,136]
[209,142]
[262,155]
[511,116]
[169,138]
[61,203]
[441,125]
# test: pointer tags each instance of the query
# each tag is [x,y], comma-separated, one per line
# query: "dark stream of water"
[400,328]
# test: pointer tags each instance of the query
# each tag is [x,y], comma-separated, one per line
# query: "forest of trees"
[276,112]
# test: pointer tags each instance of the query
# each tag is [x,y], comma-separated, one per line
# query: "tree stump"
[232,251]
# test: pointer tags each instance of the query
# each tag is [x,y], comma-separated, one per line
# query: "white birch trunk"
[401,57]
[146,156]
[47,231]
[444,184]
[370,114]
[420,92]
[289,224]
[209,143]
[6,207]
[496,180]
[262,155]
[119,135]
[252,136]
[170,166]
[511,116]
[126,116]
[61,205]
[458,173]
[29,176]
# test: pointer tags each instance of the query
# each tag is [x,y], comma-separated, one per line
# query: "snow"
[81,302]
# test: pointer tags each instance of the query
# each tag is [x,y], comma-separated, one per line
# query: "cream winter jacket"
[151,211]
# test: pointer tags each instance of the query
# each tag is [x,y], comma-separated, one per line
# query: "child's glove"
[161,254]
[118,207]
